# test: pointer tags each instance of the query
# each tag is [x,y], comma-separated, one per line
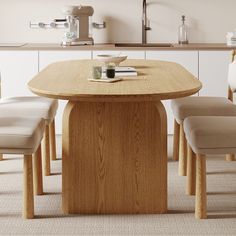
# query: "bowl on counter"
[108,59]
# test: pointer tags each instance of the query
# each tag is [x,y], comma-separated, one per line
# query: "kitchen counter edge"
[104,47]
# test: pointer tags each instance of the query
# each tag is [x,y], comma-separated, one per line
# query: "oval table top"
[156,80]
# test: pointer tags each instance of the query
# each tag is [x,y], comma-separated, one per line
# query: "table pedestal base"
[114,158]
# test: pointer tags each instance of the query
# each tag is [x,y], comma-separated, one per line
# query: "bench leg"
[28,195]
[191,172]
[230,157]
[38,177]
[201,198]
[52,139]
[182,153]
[46,152]
[176,141]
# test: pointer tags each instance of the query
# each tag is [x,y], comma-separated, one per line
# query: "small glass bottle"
[183,32]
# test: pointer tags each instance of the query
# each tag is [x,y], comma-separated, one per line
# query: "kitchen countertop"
[177,47]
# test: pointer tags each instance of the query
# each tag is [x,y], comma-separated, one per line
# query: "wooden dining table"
[114,138]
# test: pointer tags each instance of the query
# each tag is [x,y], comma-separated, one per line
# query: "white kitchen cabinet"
[188,59]
[48,57]
[213,72]
[130,54]
[17,68]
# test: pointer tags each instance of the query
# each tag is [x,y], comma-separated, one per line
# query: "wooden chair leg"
[230,157]
[46,152]
[28,195]
[1,157]
[201,198]
[52,138]
[38,177]
[191,172]
[176,141]
[182,152]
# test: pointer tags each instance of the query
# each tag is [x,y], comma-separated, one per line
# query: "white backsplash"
[209,20]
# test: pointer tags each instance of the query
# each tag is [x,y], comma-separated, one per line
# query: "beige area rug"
[180,219]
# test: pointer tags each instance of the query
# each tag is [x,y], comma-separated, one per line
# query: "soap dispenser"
[183,32]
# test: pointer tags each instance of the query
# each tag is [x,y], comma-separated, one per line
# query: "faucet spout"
[145,25]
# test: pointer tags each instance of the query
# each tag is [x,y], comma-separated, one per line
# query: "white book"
[122,71]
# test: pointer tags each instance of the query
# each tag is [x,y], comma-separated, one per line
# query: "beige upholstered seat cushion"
[211,134]
[20,135]
[202,106]
[29,107]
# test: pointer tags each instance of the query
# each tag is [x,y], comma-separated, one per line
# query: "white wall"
[209,20]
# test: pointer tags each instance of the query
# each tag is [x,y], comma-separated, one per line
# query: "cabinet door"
[213,72]
[188,59]
[48,57]
[17,68]
[130,54]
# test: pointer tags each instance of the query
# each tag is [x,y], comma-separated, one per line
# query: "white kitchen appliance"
[79,25]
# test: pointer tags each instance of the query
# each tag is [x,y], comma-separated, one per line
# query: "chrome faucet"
[145,23]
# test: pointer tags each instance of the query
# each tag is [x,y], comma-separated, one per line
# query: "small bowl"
[107,59]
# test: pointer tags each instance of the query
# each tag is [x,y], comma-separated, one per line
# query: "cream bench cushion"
[20,135]
[202,106]
[32,106]
[211,134]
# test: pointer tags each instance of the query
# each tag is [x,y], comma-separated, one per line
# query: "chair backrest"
[232,76]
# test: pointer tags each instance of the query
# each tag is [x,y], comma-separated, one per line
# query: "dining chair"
[23,135]
[35,106]
[207,135]
[198,106]
[190,187]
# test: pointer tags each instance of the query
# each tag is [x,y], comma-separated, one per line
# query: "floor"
[221,179]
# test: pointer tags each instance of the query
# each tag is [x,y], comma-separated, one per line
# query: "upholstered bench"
[23,135]
[35,107]
[206,135]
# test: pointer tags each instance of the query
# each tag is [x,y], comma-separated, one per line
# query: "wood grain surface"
[191,172]
[176,141]
[156,80]
[37,172]
[52,141]
[201,196]
[46,152]
[28,195]
[113,47]
[114,158]
[182,152]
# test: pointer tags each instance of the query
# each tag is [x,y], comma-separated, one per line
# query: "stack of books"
[122,72]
